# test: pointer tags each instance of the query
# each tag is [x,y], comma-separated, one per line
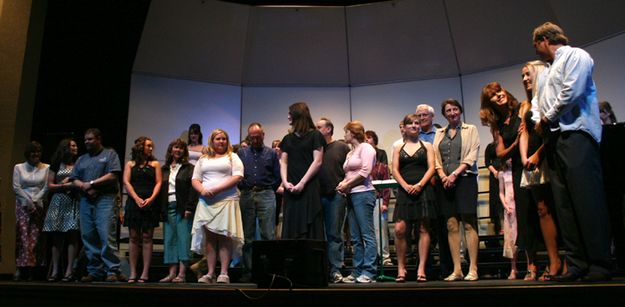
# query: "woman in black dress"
[500,111]
[413,167]
[142,180]
[302,153]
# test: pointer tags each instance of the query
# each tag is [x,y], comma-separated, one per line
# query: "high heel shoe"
[68,278]
[53,278]
[530,275]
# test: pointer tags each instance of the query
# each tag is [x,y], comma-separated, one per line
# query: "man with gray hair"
[425,113]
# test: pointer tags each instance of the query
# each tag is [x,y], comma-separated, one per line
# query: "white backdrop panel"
[609,72]
[381,107]
[163,109]
[270,107]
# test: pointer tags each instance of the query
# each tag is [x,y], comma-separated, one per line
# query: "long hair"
[62,155]
[357,130]
[137,153]
[195,128]
[534,67]
[210,149]
[490,115]
[300,118]
[605,106]
[169,158]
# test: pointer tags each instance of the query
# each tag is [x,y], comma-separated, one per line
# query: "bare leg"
[133,251]
[225,253]
[400,245]
[550,234]
[472,245]
[182,271]
[211,251]
[424,249]
[453,236]
[147,252]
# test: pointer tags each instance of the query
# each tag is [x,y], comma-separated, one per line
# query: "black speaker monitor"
[290,263]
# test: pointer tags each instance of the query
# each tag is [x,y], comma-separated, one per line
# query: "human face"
[500,98]
[604,115]
[323,128]
[177,152]
[148,147]
[73,148]
[542,50]
[370,141]
[349,137]
[34,158]
[452,114]
[412,129]
[92,143]
[194,136]
[256,137]
[425,118]
[290,119]
[220,143]
[528,82]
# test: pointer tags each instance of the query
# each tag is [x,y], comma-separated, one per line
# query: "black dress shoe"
[596,277]
[568,277]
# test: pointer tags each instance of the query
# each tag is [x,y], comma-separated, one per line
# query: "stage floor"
[499,292]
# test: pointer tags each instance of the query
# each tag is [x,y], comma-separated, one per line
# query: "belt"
[258,188]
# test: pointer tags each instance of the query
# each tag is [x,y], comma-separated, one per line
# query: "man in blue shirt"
[567,105]
[261,178]
[95,174]
[426,117]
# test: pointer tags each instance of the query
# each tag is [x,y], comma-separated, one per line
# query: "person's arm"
[129,188]
[54,187]
[523,133]
[275,166]
[502,192]
[284,164]
[158,178]
[312,170]
[38,198]
[22,198]
[410,189]
[576,69]
[430,172]
[504,152]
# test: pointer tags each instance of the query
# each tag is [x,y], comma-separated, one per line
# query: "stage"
[487,292]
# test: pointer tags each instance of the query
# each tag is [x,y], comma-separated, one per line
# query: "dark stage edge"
[483,292]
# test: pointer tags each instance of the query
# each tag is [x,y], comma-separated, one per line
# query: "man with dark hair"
[261,178]
[95,174]
[566,104]
[330,174]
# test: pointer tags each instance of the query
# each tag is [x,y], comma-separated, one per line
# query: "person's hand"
[408,188]
[532,162]
[383,208]
[288,186]
[85,186]
[188,214]
[298,188]
[280,190]
[147,202]
[208,193]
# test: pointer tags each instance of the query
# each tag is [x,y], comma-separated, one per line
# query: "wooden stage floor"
[483,292]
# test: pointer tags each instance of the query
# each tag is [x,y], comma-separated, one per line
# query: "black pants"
[577,185]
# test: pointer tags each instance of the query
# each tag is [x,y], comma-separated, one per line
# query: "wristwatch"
[91,182]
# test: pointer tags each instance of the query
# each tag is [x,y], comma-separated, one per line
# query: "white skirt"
[536,176]
[222,218]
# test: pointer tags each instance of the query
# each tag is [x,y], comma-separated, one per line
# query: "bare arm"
[158,182]
[284,163]
[312,170]
[129,188]
[397,174]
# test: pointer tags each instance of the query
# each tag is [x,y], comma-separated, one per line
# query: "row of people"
[218,228]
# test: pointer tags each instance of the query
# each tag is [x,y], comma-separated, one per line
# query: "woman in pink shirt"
[361,195]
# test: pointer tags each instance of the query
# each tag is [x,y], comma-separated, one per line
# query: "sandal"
[400,279]
[206,279]
[178,280]
[132,280]
[168,278]
[142,280]
[454,277]
[530,276]
[223,279]
[421,278]
[68,278]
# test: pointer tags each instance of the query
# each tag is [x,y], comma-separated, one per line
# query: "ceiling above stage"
[350,43]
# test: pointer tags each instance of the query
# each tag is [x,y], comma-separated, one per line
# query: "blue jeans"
[259,205]
[334,214]
[360,216]
[95,221]
[177,241]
